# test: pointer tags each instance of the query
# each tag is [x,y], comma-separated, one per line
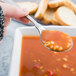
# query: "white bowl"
[14,67]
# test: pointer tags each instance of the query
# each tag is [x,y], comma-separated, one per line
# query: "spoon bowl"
[55,44]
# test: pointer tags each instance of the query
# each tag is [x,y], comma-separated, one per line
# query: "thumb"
[18,13]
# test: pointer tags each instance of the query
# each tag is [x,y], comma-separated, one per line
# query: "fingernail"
[26,11]
[25,19]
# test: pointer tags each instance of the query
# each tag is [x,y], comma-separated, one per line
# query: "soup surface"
[36,60]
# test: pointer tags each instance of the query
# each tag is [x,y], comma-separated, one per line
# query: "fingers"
[23,20]
[20,13]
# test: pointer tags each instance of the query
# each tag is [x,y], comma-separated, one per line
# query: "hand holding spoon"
[54,40]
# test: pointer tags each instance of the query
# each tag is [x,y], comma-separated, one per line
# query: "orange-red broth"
[36,60]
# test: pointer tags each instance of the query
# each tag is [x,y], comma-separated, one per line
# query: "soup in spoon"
[56,40]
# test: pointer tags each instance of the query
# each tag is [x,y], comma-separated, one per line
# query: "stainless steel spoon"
[40,28]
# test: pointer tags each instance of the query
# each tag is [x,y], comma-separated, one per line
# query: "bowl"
[31,31]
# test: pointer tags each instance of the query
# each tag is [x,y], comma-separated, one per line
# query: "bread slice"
[55,3]
[54,20]
[42,8]
[46,21]
[30,6]
[65,16]
[70,5]
[47,17]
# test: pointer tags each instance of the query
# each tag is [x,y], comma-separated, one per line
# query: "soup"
[36,60]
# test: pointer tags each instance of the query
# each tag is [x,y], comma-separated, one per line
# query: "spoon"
[46,35]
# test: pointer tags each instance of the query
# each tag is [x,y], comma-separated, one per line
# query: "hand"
[11,11]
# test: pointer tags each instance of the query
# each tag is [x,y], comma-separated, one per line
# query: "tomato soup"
[36,60]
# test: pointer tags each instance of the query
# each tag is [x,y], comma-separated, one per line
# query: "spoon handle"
[37,25]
